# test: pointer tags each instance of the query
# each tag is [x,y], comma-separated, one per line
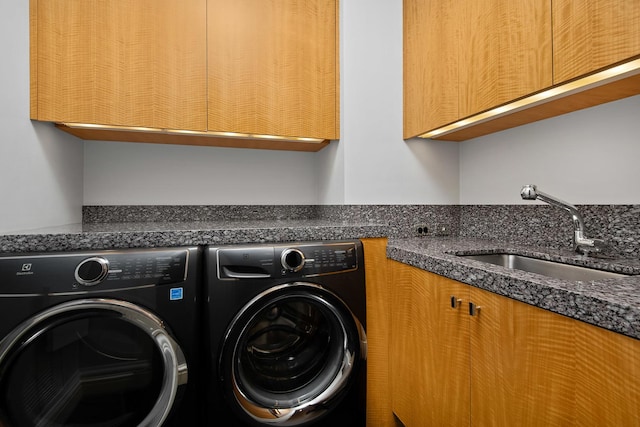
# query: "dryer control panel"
[286,260]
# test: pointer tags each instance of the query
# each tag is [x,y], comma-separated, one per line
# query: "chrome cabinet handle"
[455,302]
[474,310]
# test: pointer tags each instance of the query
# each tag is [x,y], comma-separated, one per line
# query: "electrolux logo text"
[25,270]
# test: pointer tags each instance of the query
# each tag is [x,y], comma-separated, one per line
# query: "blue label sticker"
[176,294]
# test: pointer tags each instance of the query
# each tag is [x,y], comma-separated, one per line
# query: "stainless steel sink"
[544,267]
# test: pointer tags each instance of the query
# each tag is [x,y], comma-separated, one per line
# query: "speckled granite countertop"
[612,303]
[159,234]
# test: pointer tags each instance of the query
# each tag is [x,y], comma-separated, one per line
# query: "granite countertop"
[165,234]
[612,303]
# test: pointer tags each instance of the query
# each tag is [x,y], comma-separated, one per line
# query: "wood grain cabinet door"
[505,52]
[592,34]
[431,48]
[429,348]
[532,367]
[119,62]
[522,364]
[273,67]
[465,57]
[608,378]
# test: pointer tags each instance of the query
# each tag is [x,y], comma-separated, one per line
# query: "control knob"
[92,271]
[292,259]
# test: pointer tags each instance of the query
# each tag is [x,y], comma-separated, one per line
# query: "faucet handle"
[585,245]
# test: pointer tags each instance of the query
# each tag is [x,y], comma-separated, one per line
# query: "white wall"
[380,168]
[371,164]
[40,167]
[590,156]
[118,173]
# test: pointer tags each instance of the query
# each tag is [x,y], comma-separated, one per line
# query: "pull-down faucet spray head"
[581,244]
[528,192]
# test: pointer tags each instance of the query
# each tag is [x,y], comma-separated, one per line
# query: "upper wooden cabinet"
[505,52]
[515,62]
[593,34]
[431,55]
[273,67]
[241,68]
[120,62]
[464,57]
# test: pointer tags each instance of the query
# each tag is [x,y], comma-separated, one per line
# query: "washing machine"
[102,338]
[286,334]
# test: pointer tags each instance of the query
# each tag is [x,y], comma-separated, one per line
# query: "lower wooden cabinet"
[378,310]
[607,380]
[508,364]
[522,364]
[429,349]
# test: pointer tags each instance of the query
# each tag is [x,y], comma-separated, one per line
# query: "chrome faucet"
[581,244]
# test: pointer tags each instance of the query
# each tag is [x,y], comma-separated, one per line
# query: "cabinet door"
[522,364]
[378,325]
[430,56]
[608,378]
[592,34]
[429,351]
[119,62]
[273,67]
[505,52]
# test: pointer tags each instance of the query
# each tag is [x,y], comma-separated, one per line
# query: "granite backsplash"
[536,225]
[401,220]
[190,213]
[548,226]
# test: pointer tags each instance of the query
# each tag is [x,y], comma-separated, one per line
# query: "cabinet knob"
[455,302]
[474,310]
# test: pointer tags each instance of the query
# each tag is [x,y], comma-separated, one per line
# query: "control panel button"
[292,259]
[92,271]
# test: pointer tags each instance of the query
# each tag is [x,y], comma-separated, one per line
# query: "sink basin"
[544,267]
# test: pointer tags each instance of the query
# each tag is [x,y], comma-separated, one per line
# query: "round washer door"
[290,355]
[89,362]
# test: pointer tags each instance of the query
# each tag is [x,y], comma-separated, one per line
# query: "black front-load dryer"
[97,339]
[286,334]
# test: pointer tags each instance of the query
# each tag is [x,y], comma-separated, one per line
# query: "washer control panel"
[84,271]
[286,260]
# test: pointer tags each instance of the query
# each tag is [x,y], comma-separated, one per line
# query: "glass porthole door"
[291,354]
[90,363]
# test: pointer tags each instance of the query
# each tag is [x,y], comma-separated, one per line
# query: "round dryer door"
[90,362]
[290,355]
